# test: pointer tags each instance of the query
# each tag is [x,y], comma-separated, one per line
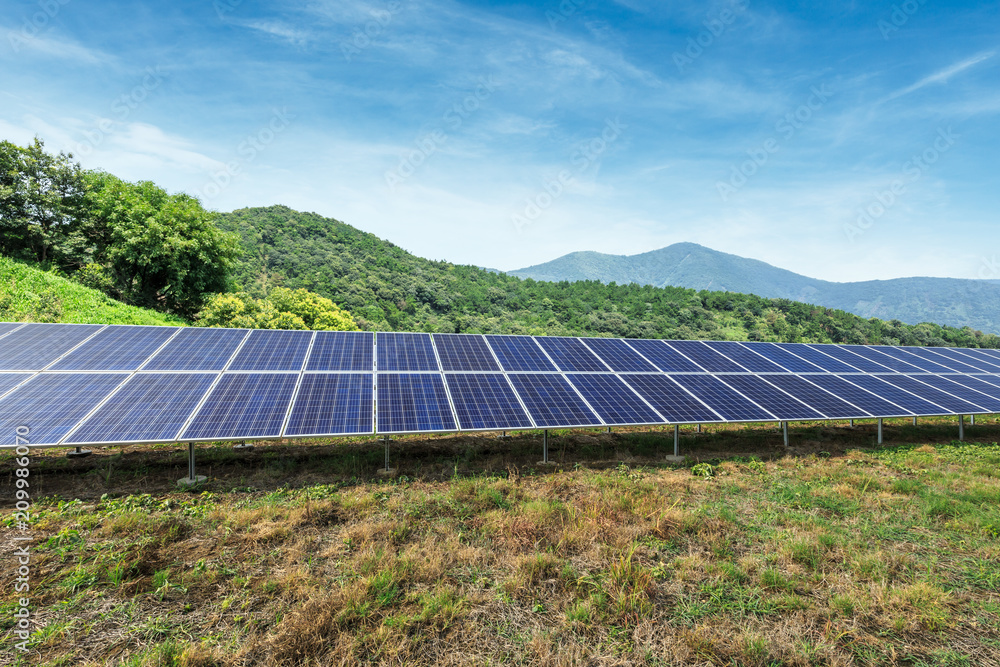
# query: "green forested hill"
[387,288]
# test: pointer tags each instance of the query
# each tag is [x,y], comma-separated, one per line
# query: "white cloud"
[942,75]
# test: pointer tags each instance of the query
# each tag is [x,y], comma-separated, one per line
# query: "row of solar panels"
[107,385]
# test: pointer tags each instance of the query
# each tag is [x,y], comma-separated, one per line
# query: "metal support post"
[78,453]
[961,427]
[192,479]
[972,420]
[677,440]
[784,430]
[914,421]
[852,423]
[545,446]
[880,434]
[699,428]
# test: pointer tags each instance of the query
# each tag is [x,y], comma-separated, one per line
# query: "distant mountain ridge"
[951,301]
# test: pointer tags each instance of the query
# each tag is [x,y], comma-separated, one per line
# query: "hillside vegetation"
[28,294]
[974,303]
[387,288]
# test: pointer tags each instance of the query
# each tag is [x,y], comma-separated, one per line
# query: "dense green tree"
[280,309]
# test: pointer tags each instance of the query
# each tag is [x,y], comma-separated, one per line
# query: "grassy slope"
[865,557]
[31,295]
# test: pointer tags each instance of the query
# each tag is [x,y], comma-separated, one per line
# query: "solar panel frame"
[243,405]
[925,364]
[774,400]
[840,386]
[784,358]
[745,357]
[615,402]
[571,355]
[815,396]
[116,348]
[954,364]
[465,352]
[962,387]
[890,361]
[431,408]
[675,403]
[618,356]
[34,347]
[287,351]
[131,416]
[342,351]
[980,355]
[708,358]
[405,352]
[730,404]
[330,404]
[856,361]
[197,349]
[664,357]
[887,391]
[7,327]
[819,358]
[988,384]
[955,405]
[520,353]
[486,402]
[565,409]
[10,381]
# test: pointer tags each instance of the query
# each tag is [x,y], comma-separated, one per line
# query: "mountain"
[386,288]
[958,303]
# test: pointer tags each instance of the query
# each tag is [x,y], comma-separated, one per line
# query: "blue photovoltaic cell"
[970,356]
[552,402]
[8,326]
[405,352]
[912,384]
[616,404]
[954,363]
[822,400]
[745,357]
[921,362]
[35,346]
[784,358]
[148,408]
[571,355]
[772,399]
[824,361]
[866,400]
[10,380]
[272,350]
[666,358]
[342,351]
[519,353]
[965,388]
[723,399]
[858,362]
[244,405]
[197,349]
[891,362]
[706,357]
[464,352]
[980,383]
[409,402]
[485,402]
[116,348]
[670,400]
[619,356]
[894,394]
[333,404]
[988,379]
[51,405]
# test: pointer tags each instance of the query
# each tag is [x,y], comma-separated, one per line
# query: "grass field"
[835,552]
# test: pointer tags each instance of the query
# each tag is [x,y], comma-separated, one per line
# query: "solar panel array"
[90,384]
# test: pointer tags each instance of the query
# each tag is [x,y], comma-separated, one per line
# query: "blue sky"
[849,141]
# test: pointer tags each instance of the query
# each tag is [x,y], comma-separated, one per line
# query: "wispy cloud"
[61,48]
[941,76]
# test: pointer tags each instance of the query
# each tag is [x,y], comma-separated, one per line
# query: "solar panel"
[614,401]
[980,383]
[619,356]
[272,350]
[243,406]
[6,327]
[405,352]
[342,351]
[552,402]
[464,352]
[974,356]
[989,379]
[411,402]
[922,363]
[855,395]
[197,349]
[666,358]
[331,404]
[890,361]
[822,400]
[35,346]
[855,362]
[485,402]
[745,357]
[965,388]
[670,400]
[772,399]
[148,408]
[890,392]
[50,405]
[784,358]
[814,356]
[954,363]
[723,399]
[706,357]
[571,355]
[953,404]
[116,348]
[519,353]
[10,380]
